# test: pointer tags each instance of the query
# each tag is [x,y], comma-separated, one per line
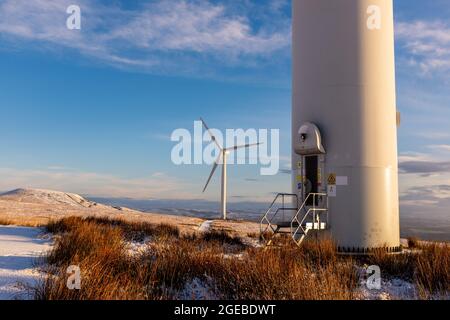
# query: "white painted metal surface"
[224,185]
[344,82]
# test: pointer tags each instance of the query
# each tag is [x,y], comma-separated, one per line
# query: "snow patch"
[19,249]
[135,248]
[252,242]
[392,289]
[206,226]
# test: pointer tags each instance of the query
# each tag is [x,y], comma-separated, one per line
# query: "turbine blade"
[213,138]
[216,164]
[244,146]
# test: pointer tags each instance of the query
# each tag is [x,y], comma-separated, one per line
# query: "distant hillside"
[49,197]
[36,207]
[427,227]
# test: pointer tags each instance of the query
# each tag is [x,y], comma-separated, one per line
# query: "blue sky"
[92,111]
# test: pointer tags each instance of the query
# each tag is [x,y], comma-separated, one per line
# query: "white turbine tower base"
[224,152]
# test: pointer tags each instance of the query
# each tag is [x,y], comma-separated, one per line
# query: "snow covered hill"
[48,197]
[34,207]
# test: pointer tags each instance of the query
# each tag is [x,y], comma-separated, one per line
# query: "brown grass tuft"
[221,238]
[87,240]
[285,274]
[133,231]
[427,267]
[413,243]
[171,261]
[5,222]
[394,265]
[228,268]
[433,270]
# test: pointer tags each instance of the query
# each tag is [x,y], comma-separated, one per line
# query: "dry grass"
[132,231]
[395,265]
[222,238]
[24,221]
[109,272]
[5,222]
[227,268]
[289,274]
[98,247]
[413,243]
[433,270]
[427,267]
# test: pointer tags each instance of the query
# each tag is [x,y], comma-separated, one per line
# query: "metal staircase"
[299,225]
[275,221]
[309,218]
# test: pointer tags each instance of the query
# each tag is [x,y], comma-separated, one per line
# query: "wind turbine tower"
[344,119]
[222,159]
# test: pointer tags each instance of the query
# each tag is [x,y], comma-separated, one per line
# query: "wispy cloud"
[425,184]
[427,44]
[441,147]
[431,193]
[424,167]
[434,162]
[433,135]
[198,27]
[165,36]
[156,185]
[428,202]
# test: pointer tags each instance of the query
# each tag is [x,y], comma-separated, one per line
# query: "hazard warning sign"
[332,179]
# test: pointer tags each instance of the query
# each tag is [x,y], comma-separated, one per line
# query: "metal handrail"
[314,210]
[266,221]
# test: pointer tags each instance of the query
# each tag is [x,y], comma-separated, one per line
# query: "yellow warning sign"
[299,178]
[332,179]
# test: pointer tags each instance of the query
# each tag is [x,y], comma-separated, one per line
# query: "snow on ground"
[47,197]
[252,242]
[393,289]
[19,249]
[206,226]
[135,248]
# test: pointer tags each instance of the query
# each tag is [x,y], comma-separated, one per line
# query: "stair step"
[284,225]
[284,231]
[316,226]
[308,226]
[270,227]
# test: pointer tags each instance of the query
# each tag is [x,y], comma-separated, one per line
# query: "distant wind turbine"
[224,152]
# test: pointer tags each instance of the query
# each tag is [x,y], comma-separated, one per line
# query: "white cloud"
[424,170]
[413,156]
[433,135]
[172,35]
[434,162]
[428,45]
[197,27]
[157,185]
[424,167]
[429,201]
[441,147]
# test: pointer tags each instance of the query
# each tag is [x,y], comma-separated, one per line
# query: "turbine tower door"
[308,145]
[311,180]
